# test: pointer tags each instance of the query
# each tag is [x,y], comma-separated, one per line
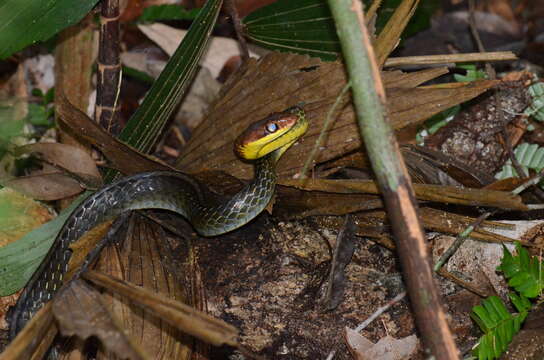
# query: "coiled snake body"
[265,141]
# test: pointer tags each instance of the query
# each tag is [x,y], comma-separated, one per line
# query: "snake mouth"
[277,131]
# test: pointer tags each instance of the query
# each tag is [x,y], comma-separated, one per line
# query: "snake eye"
[272,127]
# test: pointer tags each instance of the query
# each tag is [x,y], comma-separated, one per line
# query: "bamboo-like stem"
[369,100]
[109,68]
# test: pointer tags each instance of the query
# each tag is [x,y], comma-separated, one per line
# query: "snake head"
[277,131]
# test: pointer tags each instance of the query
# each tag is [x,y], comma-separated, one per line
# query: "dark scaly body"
[154,190]
[264,142]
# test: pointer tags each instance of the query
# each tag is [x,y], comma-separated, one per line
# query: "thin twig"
[326,124]
[233,12]
[533,180]
[380,311]
[472,23]
[462,283]
[460,239]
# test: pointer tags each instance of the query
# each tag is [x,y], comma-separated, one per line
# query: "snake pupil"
[272,127]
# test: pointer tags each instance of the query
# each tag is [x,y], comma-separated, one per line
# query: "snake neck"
[243,206]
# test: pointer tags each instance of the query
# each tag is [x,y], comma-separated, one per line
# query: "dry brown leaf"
[294,203]
[219,50]
[278,81]
[389,37]
[121,156]
[145,240]
[66,171]
[80,311]
[388,348]
[437,193]
[84,245]
[183,317]
[53,186]
[63,156]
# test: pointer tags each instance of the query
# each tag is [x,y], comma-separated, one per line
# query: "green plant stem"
[382,148]
[324,130]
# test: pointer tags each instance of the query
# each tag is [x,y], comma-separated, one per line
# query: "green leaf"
[302,26]
[498,325]
[306,26]
[25,22]
[138,75]
[10,125]
[49,96]
[435,122]
[529,156]
[521,303]
[472,74]
[524,272]
[38,115]
[536,108]
[167,12]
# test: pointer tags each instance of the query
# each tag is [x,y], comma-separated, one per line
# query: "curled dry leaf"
[67,170]
[80,311]
[388,348]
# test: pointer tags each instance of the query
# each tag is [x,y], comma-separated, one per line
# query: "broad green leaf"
[521,303]
[306,26]
[302,26]
[39,115]
[25,22]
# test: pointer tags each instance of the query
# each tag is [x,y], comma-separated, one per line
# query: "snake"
[262,143]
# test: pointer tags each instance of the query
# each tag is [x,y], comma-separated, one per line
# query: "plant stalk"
[395,185]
